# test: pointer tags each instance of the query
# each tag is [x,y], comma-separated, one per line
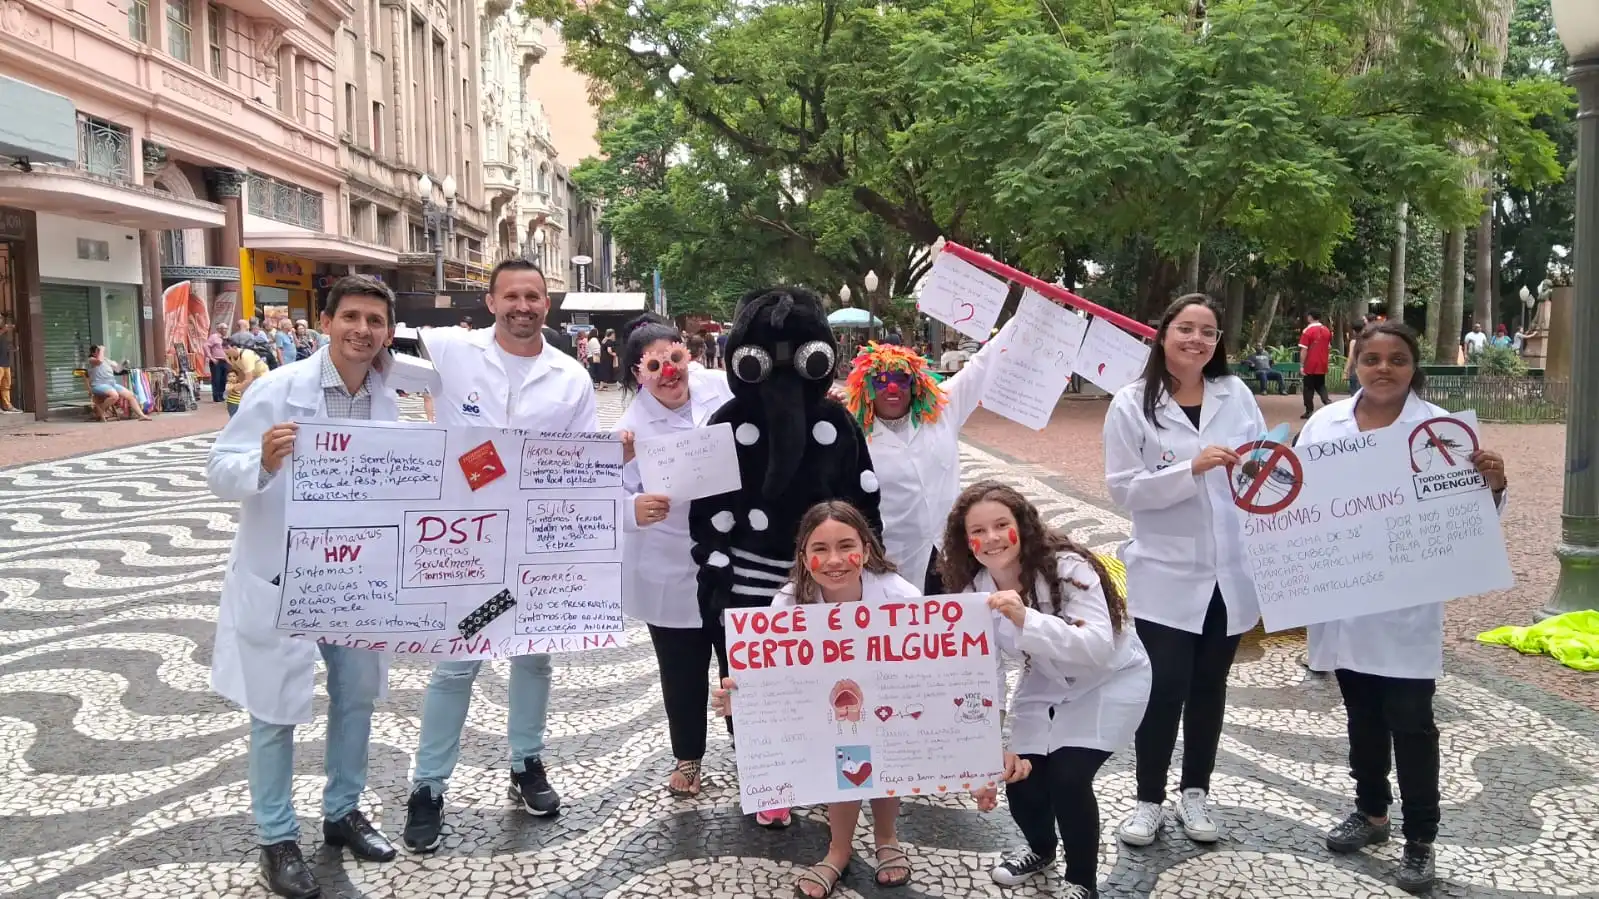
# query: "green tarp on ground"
[1571,639]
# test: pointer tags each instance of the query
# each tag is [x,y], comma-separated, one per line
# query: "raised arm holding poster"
[452,542]
[850,701]
[1402,507]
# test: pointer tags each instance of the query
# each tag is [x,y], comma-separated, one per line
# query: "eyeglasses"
[1186,331]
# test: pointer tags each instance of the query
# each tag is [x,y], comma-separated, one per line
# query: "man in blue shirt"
[283,337]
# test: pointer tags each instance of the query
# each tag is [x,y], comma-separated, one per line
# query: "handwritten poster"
[1110,357]
[846,701]
[452,542]
[1369,523]
[962,296]
[1035,362]
[687,465]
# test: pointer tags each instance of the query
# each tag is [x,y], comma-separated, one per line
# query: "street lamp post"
[538,248]
[439,221]
[871,305]
[1577,21]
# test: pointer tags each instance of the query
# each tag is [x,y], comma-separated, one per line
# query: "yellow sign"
[277,270]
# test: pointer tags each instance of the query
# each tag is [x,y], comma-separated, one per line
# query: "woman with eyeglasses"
[1170,438]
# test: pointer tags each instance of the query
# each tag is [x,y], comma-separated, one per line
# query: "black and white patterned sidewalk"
[121,775]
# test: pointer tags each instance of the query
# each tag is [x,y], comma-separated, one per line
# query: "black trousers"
[684,656]
[1313,386]
[219,380]
[1391,725]
[933,582]
[1188,685]
[1060,793]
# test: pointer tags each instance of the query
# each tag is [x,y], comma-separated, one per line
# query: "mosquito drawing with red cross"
[1268,476]
[1441,439]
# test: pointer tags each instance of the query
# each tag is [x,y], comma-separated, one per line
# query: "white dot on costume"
[717,560]
[758,519]
[869,481]
[747,434]
[722,521]
[825,433]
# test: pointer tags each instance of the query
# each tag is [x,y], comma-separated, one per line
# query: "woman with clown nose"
[658,573]
[912,425]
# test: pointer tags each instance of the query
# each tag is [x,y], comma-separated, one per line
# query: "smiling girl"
[1388,664]
[1085,678]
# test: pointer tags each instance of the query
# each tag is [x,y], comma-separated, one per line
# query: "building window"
[179,35]
[419,240]
[172,252]
[139,21]
[349,112]
[286,203]
[218,42]
[544,180]
[386,228]
[377,129]
[104,149]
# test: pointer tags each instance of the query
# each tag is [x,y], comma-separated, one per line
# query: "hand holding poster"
[1110,357]
[1369,523]
[962,296]
[1035,361]
[851,701]
[688,465]
[452,542]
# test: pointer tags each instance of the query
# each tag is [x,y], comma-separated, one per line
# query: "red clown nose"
[668,370]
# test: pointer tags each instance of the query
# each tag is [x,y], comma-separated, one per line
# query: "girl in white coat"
[1388,664]
[1168,440]
[659,574]
[1084,684]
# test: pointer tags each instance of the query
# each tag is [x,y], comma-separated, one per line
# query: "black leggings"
[1189,685]
[1060,793]
[1391,725]
[684,656]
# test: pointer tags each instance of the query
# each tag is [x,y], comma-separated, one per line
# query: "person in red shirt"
[1315,346]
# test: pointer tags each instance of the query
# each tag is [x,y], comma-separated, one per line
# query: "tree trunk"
[1482,309]
[1191,275]
[1263,321]
[1396,264]
[1233,325]
[1451,308]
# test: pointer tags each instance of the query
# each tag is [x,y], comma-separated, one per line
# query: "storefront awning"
[603,302]
[322,248]
[86,197]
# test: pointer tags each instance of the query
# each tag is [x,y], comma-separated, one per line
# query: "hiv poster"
[851,701]
[1368,523]
[461,543]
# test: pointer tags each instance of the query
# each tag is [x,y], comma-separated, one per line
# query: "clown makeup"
[836,554]
[991,531]
[892,394]
[663,371]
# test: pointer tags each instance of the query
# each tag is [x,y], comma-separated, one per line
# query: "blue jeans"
[355,676]
[444,716]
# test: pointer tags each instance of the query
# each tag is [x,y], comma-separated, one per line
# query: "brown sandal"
[690,771]
[897,865]
[813,876]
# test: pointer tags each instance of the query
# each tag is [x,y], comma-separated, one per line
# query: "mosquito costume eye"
[752,364]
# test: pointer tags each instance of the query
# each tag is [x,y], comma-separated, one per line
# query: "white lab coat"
[1187,534]
[1405,643]
[1084,686]
[658,585]
[874,588]
[471,387]
[252,664]
[920,472]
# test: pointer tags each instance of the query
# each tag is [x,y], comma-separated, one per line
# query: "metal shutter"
[66,343]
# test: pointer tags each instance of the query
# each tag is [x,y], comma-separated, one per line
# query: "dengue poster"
[1369,523]
[962,296]
[452,542]
[1110,357]
[848,701]
[1035,361]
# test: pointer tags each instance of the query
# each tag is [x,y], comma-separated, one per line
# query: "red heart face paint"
[1013,538]
[854,560]
[977,547]
[816,563]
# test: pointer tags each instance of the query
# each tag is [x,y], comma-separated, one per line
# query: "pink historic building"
[158,139]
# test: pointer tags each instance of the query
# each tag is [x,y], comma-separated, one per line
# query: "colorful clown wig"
[927,398]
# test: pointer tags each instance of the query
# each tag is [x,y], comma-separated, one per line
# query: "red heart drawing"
[860,775]
[884,712]
[916,715]
[966,786]
[942,788]
[916,789]
[890,792]
[1101,368]
[959,700]
[987,703]
[971,313]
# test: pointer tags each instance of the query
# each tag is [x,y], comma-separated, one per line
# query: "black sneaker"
[424,821]
[532,789]
[1356,833]
[1020,866]
[285,873]
[1416,868]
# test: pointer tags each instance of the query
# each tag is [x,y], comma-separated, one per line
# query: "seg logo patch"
[470,407]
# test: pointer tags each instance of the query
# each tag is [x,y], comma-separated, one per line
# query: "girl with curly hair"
[1085,678]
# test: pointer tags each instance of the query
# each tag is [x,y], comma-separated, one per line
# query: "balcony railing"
[104,150]
[285,203]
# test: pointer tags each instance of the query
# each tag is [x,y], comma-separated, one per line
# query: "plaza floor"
[122,775]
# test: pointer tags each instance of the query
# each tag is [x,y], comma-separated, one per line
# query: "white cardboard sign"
[962,296]
[452,542]
[688,465]
[1369,523]
[1035,361]
[1110,357]
[851,701]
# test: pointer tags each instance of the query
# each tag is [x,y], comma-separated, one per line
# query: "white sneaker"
[1143,825]
[1195,818]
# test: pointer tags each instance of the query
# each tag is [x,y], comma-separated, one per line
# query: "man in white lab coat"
[506,376]
[269,674]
